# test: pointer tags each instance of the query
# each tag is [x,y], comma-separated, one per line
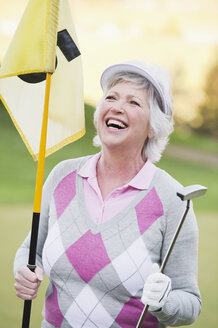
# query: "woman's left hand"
[156,289]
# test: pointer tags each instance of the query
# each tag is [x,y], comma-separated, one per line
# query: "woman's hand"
[156,289]
[28,282]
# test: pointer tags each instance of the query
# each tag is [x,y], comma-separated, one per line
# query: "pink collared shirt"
[103,210]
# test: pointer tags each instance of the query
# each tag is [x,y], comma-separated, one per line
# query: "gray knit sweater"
[97,272]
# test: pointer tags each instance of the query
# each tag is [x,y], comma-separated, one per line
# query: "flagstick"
[37,198]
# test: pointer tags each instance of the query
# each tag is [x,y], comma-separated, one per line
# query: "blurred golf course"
[17,182]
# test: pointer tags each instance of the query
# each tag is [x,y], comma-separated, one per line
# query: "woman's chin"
[113,140]
[113,145]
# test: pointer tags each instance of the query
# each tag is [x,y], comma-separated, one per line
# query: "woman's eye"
[133,102]
[110,98]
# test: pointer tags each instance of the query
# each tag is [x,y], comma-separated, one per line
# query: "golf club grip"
[26,314]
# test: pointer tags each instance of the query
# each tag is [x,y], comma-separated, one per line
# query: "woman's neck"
[116,170]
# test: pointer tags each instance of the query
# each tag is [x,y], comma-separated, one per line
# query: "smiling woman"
[151,94]
[123,120]
[107,220]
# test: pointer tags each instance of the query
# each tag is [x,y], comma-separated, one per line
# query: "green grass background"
[17,181]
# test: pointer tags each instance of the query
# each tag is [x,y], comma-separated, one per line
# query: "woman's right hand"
[28,282]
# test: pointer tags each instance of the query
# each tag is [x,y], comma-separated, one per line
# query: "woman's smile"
[115,124]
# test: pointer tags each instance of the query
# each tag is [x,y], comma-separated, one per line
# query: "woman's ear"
[150,133]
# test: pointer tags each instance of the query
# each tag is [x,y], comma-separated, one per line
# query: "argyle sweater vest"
[97,272]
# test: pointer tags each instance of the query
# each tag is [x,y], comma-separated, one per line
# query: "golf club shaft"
[166,258]
[142,316]
[179,227]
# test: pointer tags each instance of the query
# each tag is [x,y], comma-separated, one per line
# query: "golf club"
[186,193]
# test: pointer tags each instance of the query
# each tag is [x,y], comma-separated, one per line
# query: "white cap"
[133,66]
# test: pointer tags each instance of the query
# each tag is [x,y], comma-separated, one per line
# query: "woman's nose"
[118,107]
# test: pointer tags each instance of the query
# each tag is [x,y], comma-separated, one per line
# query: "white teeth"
[115,123]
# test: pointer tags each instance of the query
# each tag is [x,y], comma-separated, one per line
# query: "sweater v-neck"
[113,221]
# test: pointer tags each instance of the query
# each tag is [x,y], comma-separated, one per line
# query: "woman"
[107,220]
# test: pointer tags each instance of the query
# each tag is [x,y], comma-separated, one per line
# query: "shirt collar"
[143,178]
[88,170]
[141,181]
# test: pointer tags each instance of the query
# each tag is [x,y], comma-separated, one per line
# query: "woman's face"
[123,119]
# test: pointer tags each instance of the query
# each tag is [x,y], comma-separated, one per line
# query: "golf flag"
[44,42]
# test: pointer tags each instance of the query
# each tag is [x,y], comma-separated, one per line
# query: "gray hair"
[161,124]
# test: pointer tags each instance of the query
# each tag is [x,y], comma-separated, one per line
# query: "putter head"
[191,192]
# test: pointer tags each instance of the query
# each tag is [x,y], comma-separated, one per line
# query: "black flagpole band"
[34,237]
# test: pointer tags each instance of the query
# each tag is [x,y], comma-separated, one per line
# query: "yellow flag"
[45,41]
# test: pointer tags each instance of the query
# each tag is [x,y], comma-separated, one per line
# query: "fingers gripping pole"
[37,197]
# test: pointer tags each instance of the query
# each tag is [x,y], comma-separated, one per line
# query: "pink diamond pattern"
[88,255]
[148,210]
[52,311]
[65,192]
[130,314]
